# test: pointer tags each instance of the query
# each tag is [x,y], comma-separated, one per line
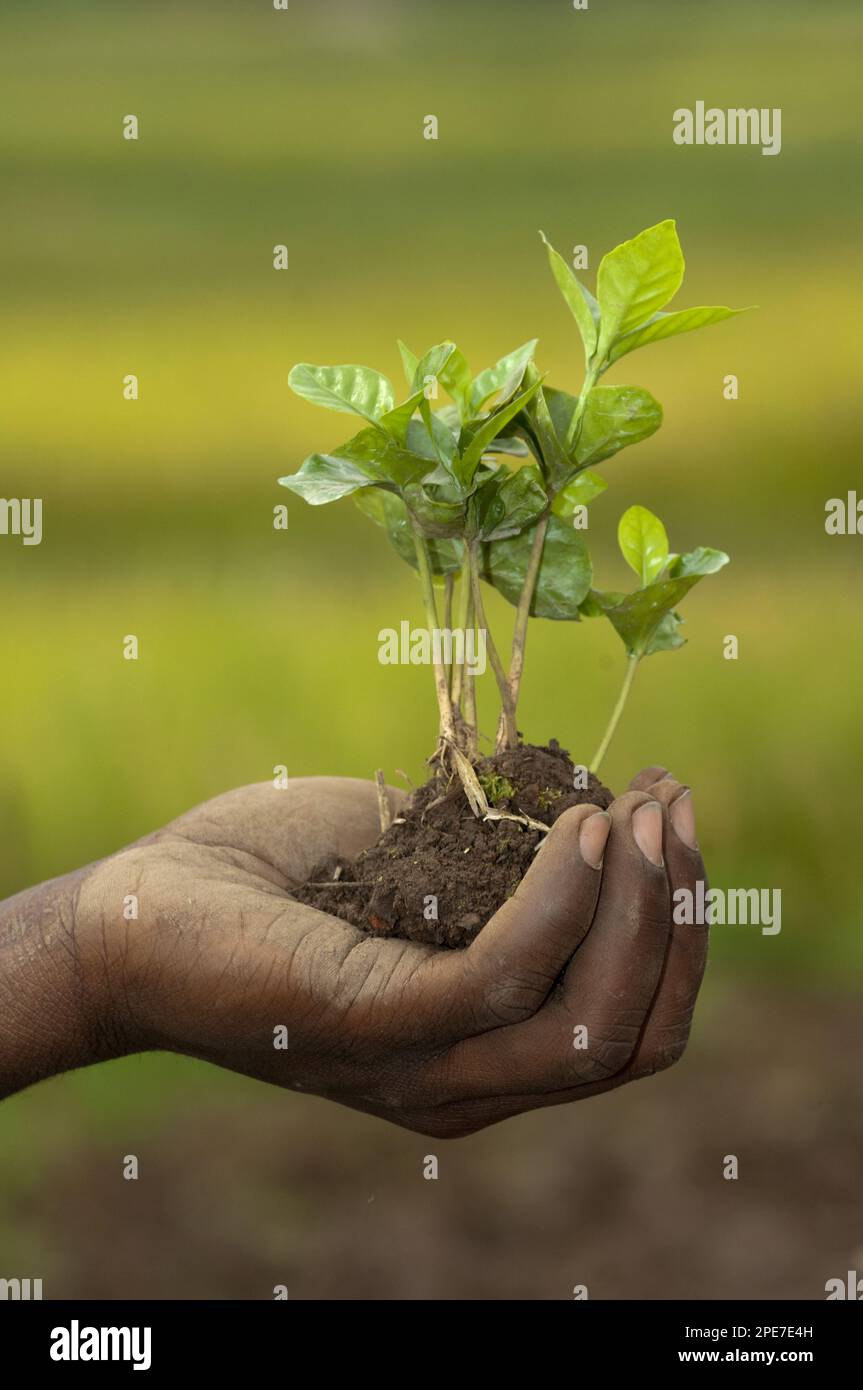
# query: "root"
[384,812]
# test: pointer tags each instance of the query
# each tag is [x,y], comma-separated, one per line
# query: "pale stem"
[470,682]
[449,583]
[447,726]
[631,668]
[519,634]
[464,607]
[511,732]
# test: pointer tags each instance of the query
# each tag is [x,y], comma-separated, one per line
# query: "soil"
[438,873]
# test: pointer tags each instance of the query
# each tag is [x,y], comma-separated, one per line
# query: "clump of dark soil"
[438,873]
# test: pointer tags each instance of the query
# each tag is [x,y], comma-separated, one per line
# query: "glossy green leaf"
[508,502]
[324,478]
[409,363]
[510,445]
[383,458]
[637,279]
[357,390]
[454,377]
[614,417]
[702,561]
[576,298]
[442,437]
[636,617]
[669,325]
[438,511]
[397,420]
[564,576]
[482,437]
[537,421]
[388,510]
[667,636]
[578,493]
[503,379]
[643,543]
[432,364]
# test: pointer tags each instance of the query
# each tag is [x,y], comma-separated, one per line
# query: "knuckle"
[516,998]
[607,1056]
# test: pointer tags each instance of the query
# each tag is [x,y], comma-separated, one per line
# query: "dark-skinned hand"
[220,960]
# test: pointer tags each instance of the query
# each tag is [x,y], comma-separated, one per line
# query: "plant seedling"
[489,487]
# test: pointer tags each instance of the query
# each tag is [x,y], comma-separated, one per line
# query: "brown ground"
[623,1193]
[437,848]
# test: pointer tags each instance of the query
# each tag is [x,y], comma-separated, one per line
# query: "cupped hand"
[579,983]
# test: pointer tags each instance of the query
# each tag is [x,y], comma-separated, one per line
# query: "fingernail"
[647,829]
[593,837]
[683,819]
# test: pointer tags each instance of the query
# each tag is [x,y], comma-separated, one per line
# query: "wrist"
[55,1012]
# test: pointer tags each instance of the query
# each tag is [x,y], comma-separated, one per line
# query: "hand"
[220,958]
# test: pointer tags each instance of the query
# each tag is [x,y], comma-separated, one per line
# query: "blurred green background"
[259,647]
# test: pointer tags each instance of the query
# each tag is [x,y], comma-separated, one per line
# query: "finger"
[590,1028]
[663,1038]
[665,1035]
[516,958]
[646,778]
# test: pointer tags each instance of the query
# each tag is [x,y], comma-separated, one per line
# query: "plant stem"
[519,633]
[519,636]
[507,709]
[464,607]
[449,582]
[572,434]
[631,668]
[469,680]
[447,726]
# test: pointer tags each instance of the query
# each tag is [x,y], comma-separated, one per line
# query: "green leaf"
[564,576]
[637,279]
[643,543]
[646,619]
[432,364]
[454,377]
[614,417]
[383,458]
[357,390]
[409,362]
[508,502]
[504,377]
[666,637]
[482,437]
[543,434]
[702,561]
[442,437]
[637,617]
[576,297]
[323,478]
[669,325]
[438,514]
[579,493]
[389,511]
[419,441]
[508,444]
[397,421]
